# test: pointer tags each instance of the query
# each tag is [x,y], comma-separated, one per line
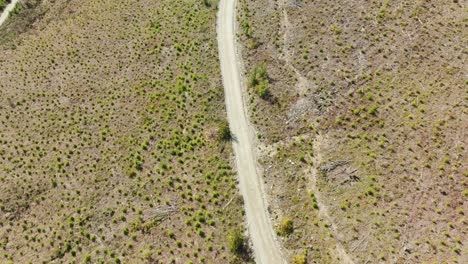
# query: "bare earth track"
[265,245]
[6,12]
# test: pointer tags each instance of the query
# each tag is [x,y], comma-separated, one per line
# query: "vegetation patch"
[258,81]
[3,4]
[286,227]
[109,113]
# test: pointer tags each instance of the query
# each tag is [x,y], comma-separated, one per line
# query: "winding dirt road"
[7,11]
[266,247]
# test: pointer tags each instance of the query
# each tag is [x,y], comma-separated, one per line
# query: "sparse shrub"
[300,259]
[286,226]
[87,258]
[3,4]
[200,232]
[302,158]
[372,110]
[207,3]
[258,80]
[224,133]
[262,90]
[131,172]
[252,43]
[54,183]
[170,234]
[236,243]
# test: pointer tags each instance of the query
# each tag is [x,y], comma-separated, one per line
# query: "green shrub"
[207,3]
[170,234]
[2,5]
[16,10]
[252,80]
[286,226]
[262,90]
[299,259]
[258,80]
[236,243]
[224,131]
[257,75]
[372,110]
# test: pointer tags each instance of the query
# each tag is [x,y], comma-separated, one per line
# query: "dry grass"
[382,84]
[109,151]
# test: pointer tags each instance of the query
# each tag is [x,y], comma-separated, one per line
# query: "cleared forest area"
[110,142]
[360,108]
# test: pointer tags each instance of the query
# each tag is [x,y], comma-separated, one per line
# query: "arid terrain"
[360,108]
[110,144]
[149,131]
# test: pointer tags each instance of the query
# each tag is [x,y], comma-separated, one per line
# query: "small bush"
[262,90]
[236,243]
[207,3]
[224,131]
[257,75]
[2,5]
[299,259]
[372,110]
[258,80]
[286,226]
[170,234]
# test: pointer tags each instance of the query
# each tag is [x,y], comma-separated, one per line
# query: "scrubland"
[360,111]
[113,138]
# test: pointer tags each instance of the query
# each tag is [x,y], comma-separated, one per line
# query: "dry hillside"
[360,108]
[109,135]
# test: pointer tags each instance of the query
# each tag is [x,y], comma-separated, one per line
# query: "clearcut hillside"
[110,146]
[360,108]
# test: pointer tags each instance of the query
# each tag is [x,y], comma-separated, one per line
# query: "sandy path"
[266,247]
[7,11]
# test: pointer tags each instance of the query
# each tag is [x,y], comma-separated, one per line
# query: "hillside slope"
[109,145]
[361,111]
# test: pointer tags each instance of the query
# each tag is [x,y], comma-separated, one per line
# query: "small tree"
[2,4]
[299,259]
[258,80]
[286,226]
[252,81]
[224,131]
[257,75]
[236,243]
[207,3]
[262,90]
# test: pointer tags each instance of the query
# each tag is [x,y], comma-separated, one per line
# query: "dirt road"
[7,11]
[265,246]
